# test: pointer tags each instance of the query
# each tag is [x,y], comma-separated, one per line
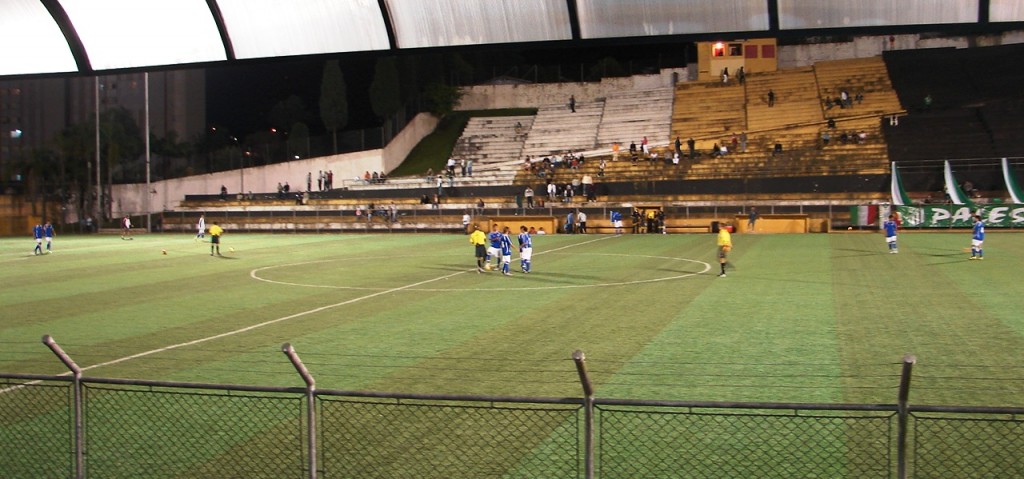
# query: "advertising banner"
[954,216]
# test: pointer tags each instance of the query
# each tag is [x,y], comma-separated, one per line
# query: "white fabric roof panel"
[32,41]
[1006,10]
[272,28]
[801,14]
[141,33]
[616,18]
[442,23]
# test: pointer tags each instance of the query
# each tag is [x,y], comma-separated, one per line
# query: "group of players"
[41,231]
[498,245]
[891,227]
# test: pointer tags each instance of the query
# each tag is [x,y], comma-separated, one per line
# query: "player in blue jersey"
[890,226]
[493,247]
[48,233]
[617,222]
[506,252]
[977,238]
[37,232]
[525,249]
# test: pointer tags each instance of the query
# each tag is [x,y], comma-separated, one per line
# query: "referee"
[215,232]
[479,240]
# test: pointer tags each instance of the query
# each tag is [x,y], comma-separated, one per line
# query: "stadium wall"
[793,56]
[167,194]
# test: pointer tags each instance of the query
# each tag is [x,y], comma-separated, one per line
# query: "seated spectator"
[859,97]
[832,123]
[825,138]
[862,136]
[366,177]
[716,150]
[519,128]
[844,138]
[424,200]
[374,178]
[829,104]
[777,150]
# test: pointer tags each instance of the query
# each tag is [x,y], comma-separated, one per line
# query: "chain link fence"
[153,429]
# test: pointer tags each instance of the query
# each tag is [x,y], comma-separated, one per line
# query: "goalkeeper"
[724,245]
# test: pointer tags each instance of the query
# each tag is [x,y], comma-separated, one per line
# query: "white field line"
[270,322]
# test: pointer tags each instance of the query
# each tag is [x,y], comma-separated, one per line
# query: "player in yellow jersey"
[215,232]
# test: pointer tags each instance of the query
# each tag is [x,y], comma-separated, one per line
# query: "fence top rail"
[37,377]
[450,397]
[746,405]
[183,385]
[968,409]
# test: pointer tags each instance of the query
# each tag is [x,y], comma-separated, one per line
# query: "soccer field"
[799,318]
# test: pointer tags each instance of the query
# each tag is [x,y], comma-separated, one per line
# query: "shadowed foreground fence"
[73,426]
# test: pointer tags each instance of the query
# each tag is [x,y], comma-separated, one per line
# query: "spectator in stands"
[436,202]
[825,138]
[450,166]
[615,151]
[280,190]
[777,150]
[528,193]
[383,177]
[330,180]
[462,166]
[928,102]
[320,180]
[519,128]
[469,167]
[366,176]
[691,146]
[741,75]
[465,228]
[572,103]
[309,180]
[828,103]
[743,142]
[861,137]
[600,168]
[567,193]
[570,223]
[725,76]
[440,185]
[675,159]
[374,178]
[632,147]
[634,157]
[430,175]
[552,191]
[424,200]
[223,192]
[735,143]
[844,98]
[771,98]
[679,147]
[645,146]
[859,97]
[588,186]
[844,138]
[716,150]
[287,187]
[831,123]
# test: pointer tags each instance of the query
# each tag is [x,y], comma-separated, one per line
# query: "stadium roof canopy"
[42,37]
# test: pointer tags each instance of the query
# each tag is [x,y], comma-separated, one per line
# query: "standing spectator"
[479,241]
[725,76]
[582,219]
[679,146]
[48,233]
[469,167]
[450,166]
[735,143]
[309,180]
[588,186]
[552,192]
[771,98]
[570,222]
[572,103]
[724,246]
[615,151]
[223,192]
[752,219]
[529,197]
[215,232]
[330,180]
[320,180]
[741,76]
[37,233]
[743,142]
[201,227]
[600,168]
[280,190]
[645,147]
[692,147]
[519,202]
[462,166]
[126,228]
[465,223]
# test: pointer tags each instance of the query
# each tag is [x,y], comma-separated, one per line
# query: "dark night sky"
[239,97]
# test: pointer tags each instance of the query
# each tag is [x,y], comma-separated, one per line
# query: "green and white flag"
[956,195]
[899,195]
[1011,184]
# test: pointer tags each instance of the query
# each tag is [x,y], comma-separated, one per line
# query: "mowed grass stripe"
[739,339]
[925,301]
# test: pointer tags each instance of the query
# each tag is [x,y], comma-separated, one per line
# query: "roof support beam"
[70,34]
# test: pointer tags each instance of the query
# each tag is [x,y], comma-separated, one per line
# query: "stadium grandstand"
[841,77]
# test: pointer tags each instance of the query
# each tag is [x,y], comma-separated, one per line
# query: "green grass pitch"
[800,318]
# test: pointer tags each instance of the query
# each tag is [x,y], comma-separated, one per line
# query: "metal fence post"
[588,414]
[904,416]
[310,404]
[76,399]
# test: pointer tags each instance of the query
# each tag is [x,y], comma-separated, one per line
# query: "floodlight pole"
[289,351]
[147,196]
[588,413]
[903,415]
[76,397]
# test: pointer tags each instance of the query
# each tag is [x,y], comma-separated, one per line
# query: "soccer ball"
[849,227]
[231,249]
[163,251]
